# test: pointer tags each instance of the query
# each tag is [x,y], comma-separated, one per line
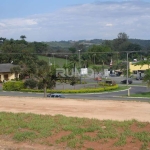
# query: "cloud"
[2,25]
[19,22]
[109,24]
[103,20]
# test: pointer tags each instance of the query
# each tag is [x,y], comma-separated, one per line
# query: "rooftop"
[6,67]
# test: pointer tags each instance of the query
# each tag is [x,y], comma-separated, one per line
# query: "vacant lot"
[102,110]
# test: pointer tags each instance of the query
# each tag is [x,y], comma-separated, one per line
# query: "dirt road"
[114,110]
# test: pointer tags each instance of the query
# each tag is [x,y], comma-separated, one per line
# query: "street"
[136,87]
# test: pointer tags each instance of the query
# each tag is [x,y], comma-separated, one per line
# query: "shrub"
[107,83]
[30,83]
[13,86]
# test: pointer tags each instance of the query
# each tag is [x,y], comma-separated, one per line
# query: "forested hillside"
[65,45]
[145,44]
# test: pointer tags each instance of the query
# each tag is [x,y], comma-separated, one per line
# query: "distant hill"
[143,43]
[64,45]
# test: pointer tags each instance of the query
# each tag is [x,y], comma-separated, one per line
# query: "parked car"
[56,95]
[125,81]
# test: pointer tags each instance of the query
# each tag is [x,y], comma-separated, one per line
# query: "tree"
[101,52]
[147,72]
[147,77]
[45,74]
[16,70]
[40,47]
[23,37]
[31,83]
[144,62]
[2,40]
[121,39]
[96,69]
[124,72]
[72,49]
[123,36]
[123,68]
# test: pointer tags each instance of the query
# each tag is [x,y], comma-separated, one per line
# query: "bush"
[108,83]
[30,83]
[13,86]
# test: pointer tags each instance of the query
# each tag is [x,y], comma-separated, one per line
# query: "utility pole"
[79,66]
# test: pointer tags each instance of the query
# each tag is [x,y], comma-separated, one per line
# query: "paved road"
[136,88]
[118,95]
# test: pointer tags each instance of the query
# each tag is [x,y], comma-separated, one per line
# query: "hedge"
[13,86]
[94,90]
[19,86]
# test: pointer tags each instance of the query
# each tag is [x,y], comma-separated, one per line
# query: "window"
[6,77]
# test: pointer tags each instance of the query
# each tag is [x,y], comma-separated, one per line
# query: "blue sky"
[55,20]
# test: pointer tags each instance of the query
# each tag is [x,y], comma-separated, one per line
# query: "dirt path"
[114,110]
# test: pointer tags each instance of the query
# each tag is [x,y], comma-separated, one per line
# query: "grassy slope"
[76,131]
[58,61]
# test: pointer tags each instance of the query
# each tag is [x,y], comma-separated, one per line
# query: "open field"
[54,60]
[103,129]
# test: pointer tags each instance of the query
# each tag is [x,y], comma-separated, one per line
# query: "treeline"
[102,53]
[64,45]
[96,51]
[20,50]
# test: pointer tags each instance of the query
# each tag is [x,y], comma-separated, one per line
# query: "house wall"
[132,67]
[10,76]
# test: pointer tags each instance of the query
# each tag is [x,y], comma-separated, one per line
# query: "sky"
[56,20]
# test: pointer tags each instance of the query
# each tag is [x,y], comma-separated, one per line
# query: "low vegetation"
[24,87]
[57,61]
[74,133]
[84,90]
[146,94]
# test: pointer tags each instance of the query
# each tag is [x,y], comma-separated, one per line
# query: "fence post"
[129,91]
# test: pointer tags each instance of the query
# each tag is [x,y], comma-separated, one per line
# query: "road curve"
[117,95]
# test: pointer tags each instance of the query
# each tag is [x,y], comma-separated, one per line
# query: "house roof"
[6,67]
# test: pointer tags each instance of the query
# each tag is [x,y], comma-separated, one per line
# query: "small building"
[138,70]
[5,72]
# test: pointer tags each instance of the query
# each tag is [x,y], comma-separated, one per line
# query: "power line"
[52,53]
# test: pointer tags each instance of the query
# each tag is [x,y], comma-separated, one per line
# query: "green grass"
[58,61]
[38,128]
[146,94]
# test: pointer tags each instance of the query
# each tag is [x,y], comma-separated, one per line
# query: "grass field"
[57,61]
[146,94]
[75,133]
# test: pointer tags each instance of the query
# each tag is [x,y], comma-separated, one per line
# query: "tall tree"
[72,49]
[123,36]
[101,52]
[23,37]
[46,75]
